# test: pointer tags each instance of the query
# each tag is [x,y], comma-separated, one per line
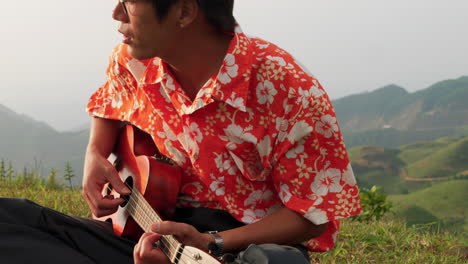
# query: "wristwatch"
[216,247]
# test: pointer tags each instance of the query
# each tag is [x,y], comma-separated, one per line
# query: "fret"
[145,216]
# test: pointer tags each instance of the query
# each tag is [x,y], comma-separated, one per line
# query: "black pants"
[30,233]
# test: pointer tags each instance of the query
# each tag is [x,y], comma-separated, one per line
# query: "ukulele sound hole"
[129,183]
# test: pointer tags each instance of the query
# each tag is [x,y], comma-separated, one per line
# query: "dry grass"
[386,242]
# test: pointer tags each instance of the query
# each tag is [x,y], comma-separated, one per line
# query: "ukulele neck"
[145,216]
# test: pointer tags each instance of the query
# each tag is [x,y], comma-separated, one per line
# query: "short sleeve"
[311,169]
[114,99]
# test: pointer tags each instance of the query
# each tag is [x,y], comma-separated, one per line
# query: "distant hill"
[391,117]
[410,167]
[444,161]
[442,105]
[37,146]
[378,166]
[443,203]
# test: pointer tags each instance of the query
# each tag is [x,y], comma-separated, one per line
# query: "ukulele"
[154,182]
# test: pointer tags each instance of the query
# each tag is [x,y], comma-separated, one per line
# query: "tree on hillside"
[52,178]
[69,174]
[25,172]
[10,173]
[2,170]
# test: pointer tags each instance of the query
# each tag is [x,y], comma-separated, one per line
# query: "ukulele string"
[136,210]
[133,201]
[149,209]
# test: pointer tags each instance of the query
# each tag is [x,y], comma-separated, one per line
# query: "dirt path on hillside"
[404,175]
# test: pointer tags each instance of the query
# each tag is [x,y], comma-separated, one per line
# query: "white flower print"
[117,101]
[299,130]
[188,143]
[316,92]
[327,126]
[229,70]
[177,156]
[304,97]
[282,127]
[266,92]
[169,85]
[225,165]
[258,196]
[284,194]
[348,176]
[263,46]
[136,68]
[264,146]
[194,132]
[217,185]
[335,236]
[237,102]
[168,133]
[327,181]
[297,150]
[279,60]
[316,216]
[252,216]
[238,135]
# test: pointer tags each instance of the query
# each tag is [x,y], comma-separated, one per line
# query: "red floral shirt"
[261,134]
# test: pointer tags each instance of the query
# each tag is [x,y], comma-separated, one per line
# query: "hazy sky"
[53,53]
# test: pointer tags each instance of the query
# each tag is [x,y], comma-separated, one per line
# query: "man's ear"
[187,12]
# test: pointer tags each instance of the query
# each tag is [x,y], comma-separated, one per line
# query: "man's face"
[145,35]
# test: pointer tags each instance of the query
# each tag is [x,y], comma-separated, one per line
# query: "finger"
[117,183]
[148,245]
[145,252]
[170,228]
[102,206]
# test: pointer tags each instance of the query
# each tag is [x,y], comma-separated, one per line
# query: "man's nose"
[119,14]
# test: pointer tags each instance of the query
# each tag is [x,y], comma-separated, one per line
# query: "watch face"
[214,249]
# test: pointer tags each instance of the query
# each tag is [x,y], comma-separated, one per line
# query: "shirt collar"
[231,83]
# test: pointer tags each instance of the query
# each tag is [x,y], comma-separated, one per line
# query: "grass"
[417,151]
[391,241]
[387,241]
[58,198]
[444,200]
[442,163]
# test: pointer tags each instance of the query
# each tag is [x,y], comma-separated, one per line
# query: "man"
[262,157]
[255,135]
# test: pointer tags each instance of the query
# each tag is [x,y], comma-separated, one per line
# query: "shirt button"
[195,156]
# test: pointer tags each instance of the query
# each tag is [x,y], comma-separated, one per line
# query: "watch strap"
[217,246]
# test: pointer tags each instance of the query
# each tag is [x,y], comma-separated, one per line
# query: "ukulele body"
[158,181]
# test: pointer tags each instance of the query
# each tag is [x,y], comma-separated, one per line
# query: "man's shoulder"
[268,56]
[121,60]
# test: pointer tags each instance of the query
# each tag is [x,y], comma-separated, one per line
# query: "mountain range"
[387,117]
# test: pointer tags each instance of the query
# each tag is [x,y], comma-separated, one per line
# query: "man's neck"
[197,59]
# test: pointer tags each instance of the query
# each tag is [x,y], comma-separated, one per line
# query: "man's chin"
[139,54]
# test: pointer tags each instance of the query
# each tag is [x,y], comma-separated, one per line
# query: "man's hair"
[219,13]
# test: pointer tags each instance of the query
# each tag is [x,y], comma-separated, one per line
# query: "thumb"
[117,183]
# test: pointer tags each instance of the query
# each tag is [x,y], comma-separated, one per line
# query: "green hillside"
[378,166]
[417,151]
[443,202]
[441,161]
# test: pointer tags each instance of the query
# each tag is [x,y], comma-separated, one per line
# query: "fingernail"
[127,190]
[156,227]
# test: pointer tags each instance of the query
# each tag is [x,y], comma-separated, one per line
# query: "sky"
[53,53]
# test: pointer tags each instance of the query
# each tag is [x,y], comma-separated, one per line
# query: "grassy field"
[387,241]
[445,201]
[444,162]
